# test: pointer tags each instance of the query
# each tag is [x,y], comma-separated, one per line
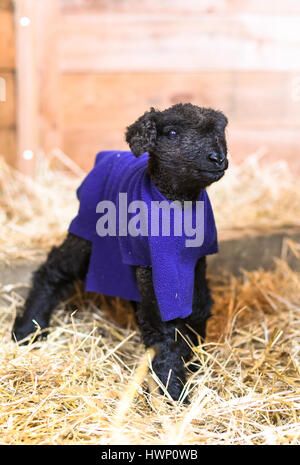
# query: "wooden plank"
[293,100]
[265,98]
[245,97]
[48,18]
[8,107]
[6,5]
[83,145]
[7,40]
[204,42]
[27,81]
[250,250]
[183,6]
[8,145]
[114,100]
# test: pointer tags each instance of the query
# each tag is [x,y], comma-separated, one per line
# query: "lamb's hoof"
[25,333]
[174,389]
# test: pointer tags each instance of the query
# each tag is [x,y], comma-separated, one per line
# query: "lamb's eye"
[172,134]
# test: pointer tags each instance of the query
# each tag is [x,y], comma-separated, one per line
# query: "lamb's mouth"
[212,173]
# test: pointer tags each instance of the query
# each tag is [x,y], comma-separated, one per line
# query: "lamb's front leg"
[172,349]
[202,304]
[51,281]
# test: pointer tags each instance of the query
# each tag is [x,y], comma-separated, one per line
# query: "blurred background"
[73,75]
[77,72]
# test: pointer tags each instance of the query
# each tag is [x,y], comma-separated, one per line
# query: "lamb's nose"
[218,159]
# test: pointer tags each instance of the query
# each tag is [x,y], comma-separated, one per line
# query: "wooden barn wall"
[101,63]
[7,72]
[120,57]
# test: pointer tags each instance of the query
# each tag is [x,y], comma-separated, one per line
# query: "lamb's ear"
[141,135]
[222,120]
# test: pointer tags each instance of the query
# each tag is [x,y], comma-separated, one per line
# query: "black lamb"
[186,151]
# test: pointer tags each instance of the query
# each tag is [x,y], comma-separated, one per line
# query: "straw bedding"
[88,383]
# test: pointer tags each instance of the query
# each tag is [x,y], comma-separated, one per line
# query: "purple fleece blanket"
[114,256]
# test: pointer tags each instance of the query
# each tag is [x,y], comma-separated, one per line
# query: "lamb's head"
[186,145]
